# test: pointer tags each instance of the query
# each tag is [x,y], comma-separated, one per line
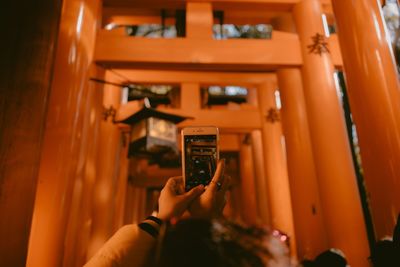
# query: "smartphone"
[200,154]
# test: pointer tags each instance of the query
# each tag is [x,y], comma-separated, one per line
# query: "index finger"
[218,176]
[175,183]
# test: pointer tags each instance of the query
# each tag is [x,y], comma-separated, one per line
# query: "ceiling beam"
[125,52]
[201,77]
[272,5]
[118,51]
[241,120]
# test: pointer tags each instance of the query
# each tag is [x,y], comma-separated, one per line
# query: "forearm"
[129,246]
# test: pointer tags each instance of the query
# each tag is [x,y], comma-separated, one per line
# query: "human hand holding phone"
[211,203]
[174,201]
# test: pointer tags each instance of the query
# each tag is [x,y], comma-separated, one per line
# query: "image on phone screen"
[200,159]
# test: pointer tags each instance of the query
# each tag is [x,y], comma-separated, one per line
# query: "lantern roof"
[146,112]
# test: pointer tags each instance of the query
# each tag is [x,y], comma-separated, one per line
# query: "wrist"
[155,219]
[151,225]
[163,217]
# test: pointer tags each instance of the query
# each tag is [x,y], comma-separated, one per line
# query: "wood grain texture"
[29,30]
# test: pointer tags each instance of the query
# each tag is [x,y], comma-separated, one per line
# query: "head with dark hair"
[384,254]
[330,258]
[199,243]
[307,263]
[396,234]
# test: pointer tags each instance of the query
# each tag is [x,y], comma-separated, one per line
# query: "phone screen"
[200,159]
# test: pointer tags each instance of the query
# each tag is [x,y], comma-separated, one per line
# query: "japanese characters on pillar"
[337,185]
[275,162]
[307,211]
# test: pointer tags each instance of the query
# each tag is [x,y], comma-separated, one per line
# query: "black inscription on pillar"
[273,115]
[109,112]
[319,45]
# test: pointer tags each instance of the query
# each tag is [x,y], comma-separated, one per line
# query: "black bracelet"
[148,228]
[155,219]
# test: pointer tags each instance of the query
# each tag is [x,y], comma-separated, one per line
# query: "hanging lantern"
[153,132]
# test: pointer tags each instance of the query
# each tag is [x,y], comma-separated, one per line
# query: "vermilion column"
[275,162]
[308,219]
[307,212]
[122,187]
[67,137]
[260,176]
[247,184]
[199,21]
[104,192]
[374,94]
[336,179]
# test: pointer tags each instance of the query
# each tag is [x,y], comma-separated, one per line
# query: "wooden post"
[275,163]
[108,169]
[260,177]
[374,95]
[190,96]
[62,166]
[199,20]
[27,53]
[308,217]
[336,178]
[122,186]
[247,185]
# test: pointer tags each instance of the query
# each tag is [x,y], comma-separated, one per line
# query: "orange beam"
[129,16]
[279,5]
[244,5]
[202,77]
[240,17]
[238,120]
[259,55]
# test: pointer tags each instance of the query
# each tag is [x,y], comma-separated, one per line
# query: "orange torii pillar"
[247,184]
[275,162]
[374,95]
[308,218]
[122,187]
[260,177]
[307,212]
[339,196]
[72,111]
[104,193]
[199,20]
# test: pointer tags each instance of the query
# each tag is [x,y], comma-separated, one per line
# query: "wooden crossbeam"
[202,77]
[133,16]
[133,12]
[118,51]
[181,53]
[229,120]
[275,5]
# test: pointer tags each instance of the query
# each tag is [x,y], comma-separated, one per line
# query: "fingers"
[175,180]
[175,184]
[218,176]
[226,183]
[193,193]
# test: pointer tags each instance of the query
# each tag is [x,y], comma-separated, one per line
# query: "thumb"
[193,193]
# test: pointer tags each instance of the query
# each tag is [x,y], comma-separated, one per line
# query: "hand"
[173,200]
[211,203]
